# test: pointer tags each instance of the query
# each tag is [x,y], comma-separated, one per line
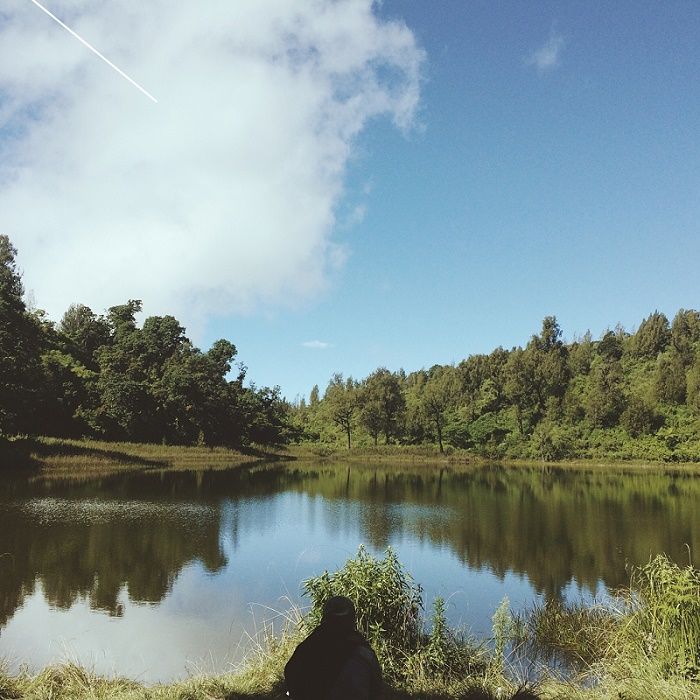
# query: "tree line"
[104,376]
[629,395]
[626,394]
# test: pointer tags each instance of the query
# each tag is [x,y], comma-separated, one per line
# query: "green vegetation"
[82,458]
[649,634]
[105,378]
[633,396]
[641,645]
[625,396]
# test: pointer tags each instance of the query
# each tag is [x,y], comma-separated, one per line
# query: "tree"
[685,334]
[383,403]
[652,336]
[605,399]
[610,346]
[639,417]
[340,400]
[20,345]
[472,372]
[669,378]
[439,394]
[581,354]
[85,333]
[314,396]
[548,357]
[519,384]
[267,416]
[693,386]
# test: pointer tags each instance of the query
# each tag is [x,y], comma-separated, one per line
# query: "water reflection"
[247,533]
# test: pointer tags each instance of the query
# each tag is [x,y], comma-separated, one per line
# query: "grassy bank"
[84,456]
[429,454]
[643,645]
[70,457]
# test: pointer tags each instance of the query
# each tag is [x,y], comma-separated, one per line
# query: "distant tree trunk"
[439,434]
[348,431]
[519,418]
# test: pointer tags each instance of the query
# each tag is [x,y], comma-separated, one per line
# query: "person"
[335,662]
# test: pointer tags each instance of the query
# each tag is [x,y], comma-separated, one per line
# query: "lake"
[157,574]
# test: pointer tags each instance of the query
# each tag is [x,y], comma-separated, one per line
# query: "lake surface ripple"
[157,574]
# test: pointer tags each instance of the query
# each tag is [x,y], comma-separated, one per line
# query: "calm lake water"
[155,575]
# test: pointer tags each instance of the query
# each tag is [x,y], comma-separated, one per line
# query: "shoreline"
[84,456]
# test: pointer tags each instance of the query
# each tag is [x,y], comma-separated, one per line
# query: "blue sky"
[546,162]
[572,190]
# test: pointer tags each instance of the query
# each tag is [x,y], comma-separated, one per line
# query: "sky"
[338,186]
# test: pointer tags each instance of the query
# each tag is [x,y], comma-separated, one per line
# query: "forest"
[626,395]
[102,376]
[623,396]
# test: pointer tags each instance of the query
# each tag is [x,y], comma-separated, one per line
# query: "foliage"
[624,396]
[613,647]
[504,630]
[665,624]
[20,345]
[389,606]
[654,624]
[106,377]
[387,601]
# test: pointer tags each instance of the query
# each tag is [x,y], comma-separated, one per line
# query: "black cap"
[339,609]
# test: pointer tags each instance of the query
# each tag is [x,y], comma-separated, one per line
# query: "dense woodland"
[625,395]
[103,376]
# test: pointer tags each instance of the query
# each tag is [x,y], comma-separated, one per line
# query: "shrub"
[665,624]
[389,608]
[387,600]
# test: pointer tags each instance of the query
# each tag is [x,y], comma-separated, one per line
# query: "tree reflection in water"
[94,538]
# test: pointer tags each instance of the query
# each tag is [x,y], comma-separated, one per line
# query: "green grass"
[642,647]
[643,644]
[65,457]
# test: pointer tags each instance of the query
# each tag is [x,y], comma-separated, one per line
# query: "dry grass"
[64,457]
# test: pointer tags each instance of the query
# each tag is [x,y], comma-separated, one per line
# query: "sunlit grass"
[642,645]
[65,457]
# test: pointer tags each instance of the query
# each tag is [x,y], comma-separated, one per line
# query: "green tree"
[548,357]
[581,354]
[85,333]
[669,378]
[610,346]
[605,399]
[639,417]
[519,383]
[20,347]
[340,401]
[685,334]
[382,404]
[693,386]
[472,372]
[439,395]
[652,336]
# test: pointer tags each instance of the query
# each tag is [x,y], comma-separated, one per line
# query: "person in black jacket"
[334,662]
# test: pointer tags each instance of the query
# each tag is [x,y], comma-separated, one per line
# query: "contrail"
[95,51]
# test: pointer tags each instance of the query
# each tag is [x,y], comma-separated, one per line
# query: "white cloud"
[317,345]
[222,196]
[547,57]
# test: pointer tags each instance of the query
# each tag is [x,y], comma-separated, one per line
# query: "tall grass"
[62,457]
[649,631]
[665,622]
[416,655]
[644,646]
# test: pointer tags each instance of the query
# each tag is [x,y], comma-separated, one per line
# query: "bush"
[387,600]
[389,608]
[665,624]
